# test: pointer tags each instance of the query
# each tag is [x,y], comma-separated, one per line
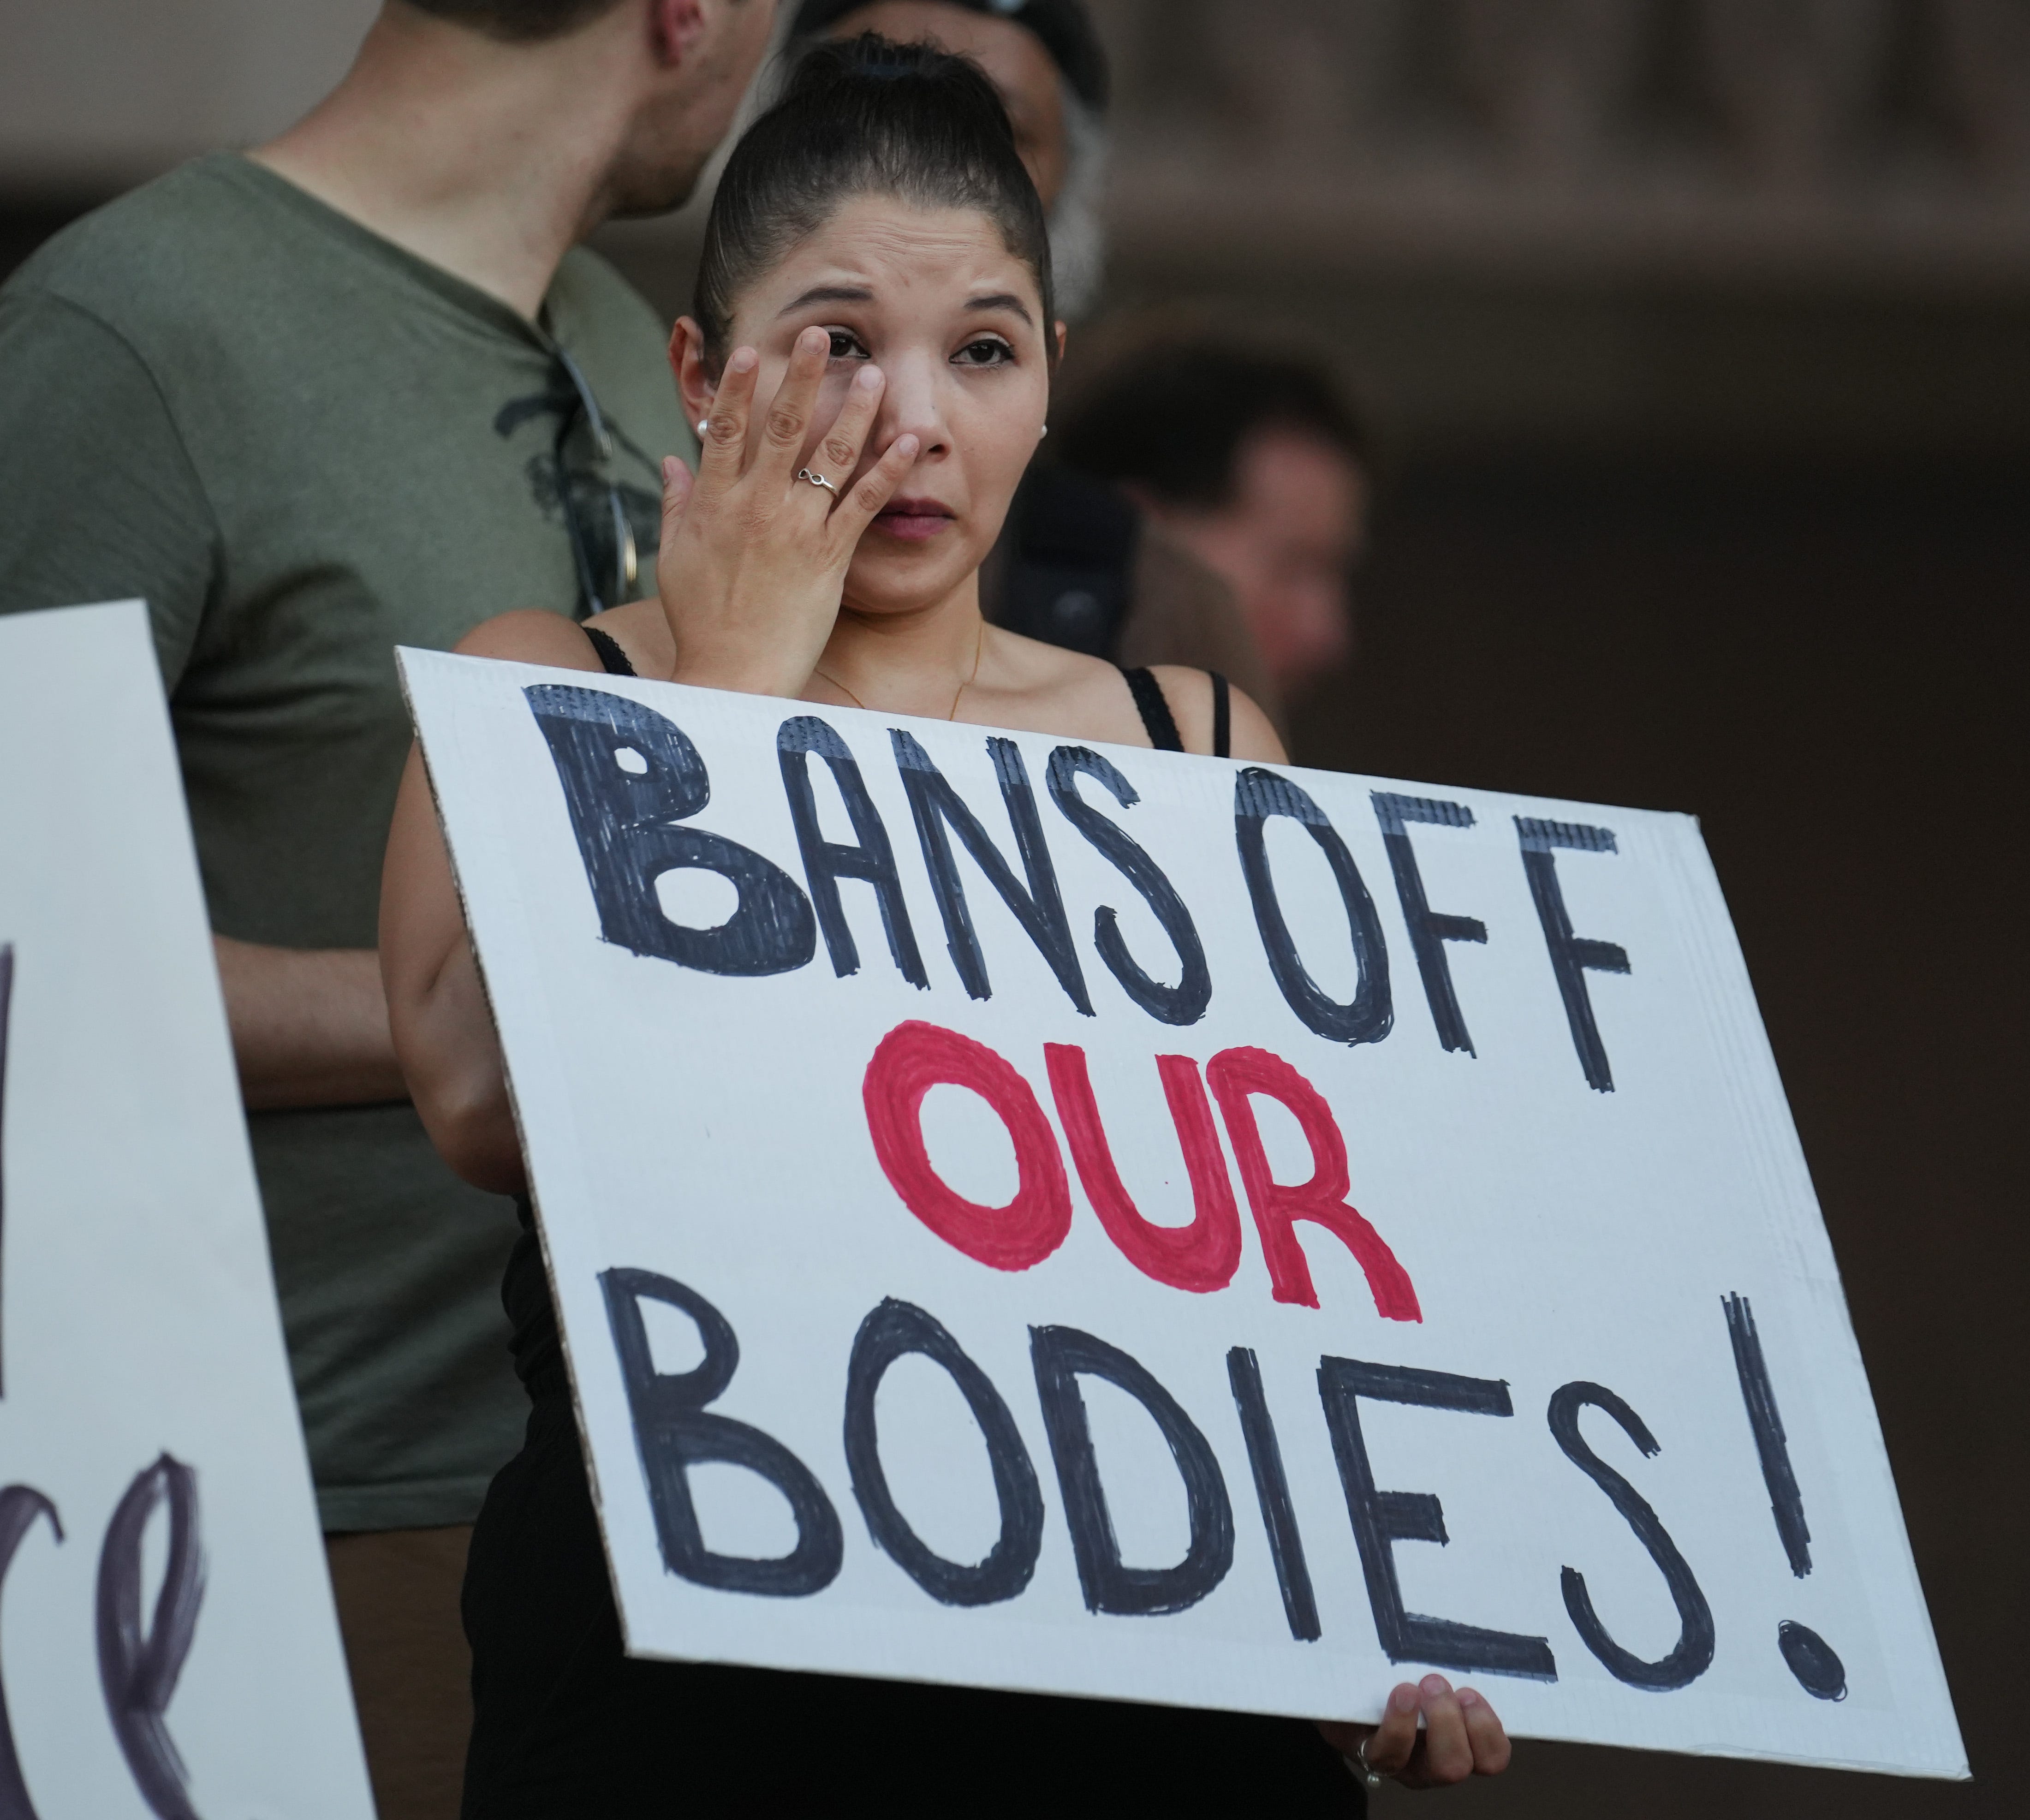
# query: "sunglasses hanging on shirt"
[595,513]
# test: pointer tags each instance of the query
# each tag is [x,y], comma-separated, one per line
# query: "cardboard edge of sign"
[1946,1762]
[405,655]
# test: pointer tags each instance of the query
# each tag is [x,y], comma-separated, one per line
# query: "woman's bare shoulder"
[531,636]
[1044,689]
[1041,688]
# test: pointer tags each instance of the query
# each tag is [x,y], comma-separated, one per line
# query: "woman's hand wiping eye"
[755,550]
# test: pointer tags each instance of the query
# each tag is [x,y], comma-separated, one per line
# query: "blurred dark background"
[1697,334]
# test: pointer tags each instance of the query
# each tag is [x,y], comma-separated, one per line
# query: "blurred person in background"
[1077,564]
[1258,465]
[351,390]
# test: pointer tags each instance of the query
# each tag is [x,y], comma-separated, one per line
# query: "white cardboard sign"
[1049,1217]
[167,1640]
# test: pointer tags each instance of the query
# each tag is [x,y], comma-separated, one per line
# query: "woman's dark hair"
[1174,417]
[865,118]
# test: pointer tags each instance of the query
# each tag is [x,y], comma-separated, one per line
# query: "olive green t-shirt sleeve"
[98,500]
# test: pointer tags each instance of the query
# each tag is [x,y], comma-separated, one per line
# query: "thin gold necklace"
[951,714]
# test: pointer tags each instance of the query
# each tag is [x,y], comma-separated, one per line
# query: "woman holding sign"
[870,369]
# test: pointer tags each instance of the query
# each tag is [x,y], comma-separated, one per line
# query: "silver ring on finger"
[1358,1764]
[817,480]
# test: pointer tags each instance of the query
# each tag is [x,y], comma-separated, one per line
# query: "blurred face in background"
[1013,58]
[1286,542]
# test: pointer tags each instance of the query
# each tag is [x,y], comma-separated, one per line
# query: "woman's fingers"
[1461,1736]
[1447,1755]
[788,419]
[1390,1746]
[839,454]
[870,492]
[677,485]
[723,444]
[1484,1732]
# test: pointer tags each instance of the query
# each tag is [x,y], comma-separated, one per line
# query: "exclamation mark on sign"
[1811,1659]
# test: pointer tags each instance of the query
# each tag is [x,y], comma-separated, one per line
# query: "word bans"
[632,779]
[914,1057]
[676,1430]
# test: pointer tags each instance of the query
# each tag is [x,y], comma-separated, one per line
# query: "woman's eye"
[988,351]
[845,345]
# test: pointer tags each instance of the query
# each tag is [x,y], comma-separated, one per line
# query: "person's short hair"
[517,21]
[865,118]
[1174,418]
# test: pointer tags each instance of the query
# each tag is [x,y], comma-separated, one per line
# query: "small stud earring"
[1042,432]
[704,423]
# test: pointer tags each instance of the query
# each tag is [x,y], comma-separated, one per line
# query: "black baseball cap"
[1064,26]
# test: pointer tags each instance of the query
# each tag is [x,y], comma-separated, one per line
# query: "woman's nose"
[912,406]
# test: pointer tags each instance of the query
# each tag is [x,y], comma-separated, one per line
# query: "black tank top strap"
[1157,718]
[1161,724]
[609,652]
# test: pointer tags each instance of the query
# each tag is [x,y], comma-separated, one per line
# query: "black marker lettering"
[675,1431]
[1061,1355]
[1809,1657]
[20,1507]
[1429,929]
[137,1668]
[1693,1655]
[826,862]
[1258,794]
[1571,956]
[1787,1504]
[1040,908]
[1272,1490]
[629,776]
[1382,1519]
[1184,1002]
[890,1330]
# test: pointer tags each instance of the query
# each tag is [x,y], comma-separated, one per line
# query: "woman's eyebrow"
[830,294]
[1002,300]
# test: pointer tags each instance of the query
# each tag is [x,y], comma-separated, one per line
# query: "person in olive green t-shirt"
[304,445]
[361,389]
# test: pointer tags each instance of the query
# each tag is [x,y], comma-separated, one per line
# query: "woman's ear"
[695,385]
[1060,328]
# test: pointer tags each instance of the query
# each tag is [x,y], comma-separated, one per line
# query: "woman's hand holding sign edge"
[1461,1736]
[755,556]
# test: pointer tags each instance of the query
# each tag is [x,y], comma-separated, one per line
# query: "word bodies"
[676,1430]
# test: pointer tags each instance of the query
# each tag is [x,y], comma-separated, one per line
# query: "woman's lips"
[914,520]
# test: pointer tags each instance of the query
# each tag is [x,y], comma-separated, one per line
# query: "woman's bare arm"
[437,1011]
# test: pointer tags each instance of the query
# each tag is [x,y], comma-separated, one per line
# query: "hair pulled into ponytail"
[865,118]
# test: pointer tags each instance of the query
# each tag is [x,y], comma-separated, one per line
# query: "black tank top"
[1151,703]
[525,1290]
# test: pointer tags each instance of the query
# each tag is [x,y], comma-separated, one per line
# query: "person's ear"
[695,384]
[1060,329]
[675,27]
